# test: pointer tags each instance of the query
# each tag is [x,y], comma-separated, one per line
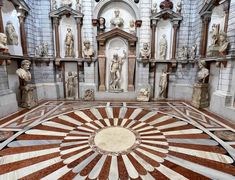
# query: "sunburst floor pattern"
[115,143]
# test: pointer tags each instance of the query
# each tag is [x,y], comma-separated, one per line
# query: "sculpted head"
[223,36]
[25,64]
[87,44]
[117,12]
[145,45]
[115,56]
[3,39]
[101,21]
[201,64]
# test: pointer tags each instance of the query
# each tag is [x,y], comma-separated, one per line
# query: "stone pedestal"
[142,73]
[200,97]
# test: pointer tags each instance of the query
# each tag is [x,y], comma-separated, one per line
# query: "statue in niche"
[203,72]
[117,21]
[66,3]
[167,4]
[143,95]
[132,27]
[89,95]
[101,24]
[88,52]
[223,43]
[42,50]
[183,53]
[179,7]
[69,42]
[154,8]
[115,72]
[28,100]
[54,5]
[163,84]
[78,6]
[163,47]
[193,51]
[71,85]
[12,37]
[215,34]
[3,42]
[145,51]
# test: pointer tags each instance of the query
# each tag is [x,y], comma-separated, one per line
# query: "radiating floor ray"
[57,125]
[70,120]
[82,115]
[43,132]
[135,113]
[22,143]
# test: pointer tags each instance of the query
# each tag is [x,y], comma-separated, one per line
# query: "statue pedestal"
[200,97]
[28,96]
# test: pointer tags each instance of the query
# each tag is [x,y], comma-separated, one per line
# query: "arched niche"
[164,27]
[9,13]
[126,12]
[117,46]
[67,22]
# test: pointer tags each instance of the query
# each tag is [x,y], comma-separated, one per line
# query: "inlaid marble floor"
[99,140]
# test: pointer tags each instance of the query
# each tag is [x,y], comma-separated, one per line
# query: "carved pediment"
[21,5]
[167,14]
[67,11]
[209,5]
[102,38]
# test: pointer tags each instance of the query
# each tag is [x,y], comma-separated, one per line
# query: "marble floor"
[116,140]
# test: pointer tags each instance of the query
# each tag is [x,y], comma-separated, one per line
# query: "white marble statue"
[12,37]
[145,51]
[179,7]
[132,29]
[203,72]
[117,21]
[28,100]
[163,47]
[183,53]
[3,41]
[78,6]
[163,84]
[143,95]
[154,8]
[215,34]
[54,5]
[193,51]
[115,71]
[223,43]
[88,52]
[42,50]
[66,3]
[71,85]
[69,42]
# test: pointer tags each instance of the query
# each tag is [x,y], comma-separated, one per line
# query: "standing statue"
[3,42]
[28,100]
[66,3]
[71,85]
[69,42]
[78,6]
[179,7]
[87,51]
[12,37]
[145,51]
[101,24]
[54,5]
[132,27]
[117,21]
[203,72]
[183,53]
[154,8]
[163,47]
[42,50]
[193,51]
[163,84]
[223,43]
[115,71]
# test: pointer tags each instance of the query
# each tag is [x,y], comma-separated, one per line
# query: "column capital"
[154,22]
[56,21]
[21,13]
[78,20]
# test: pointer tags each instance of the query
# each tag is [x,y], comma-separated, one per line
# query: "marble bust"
[66,3]
[203,72]
[178,7]
[87,51]
[145,51]
[117,21]
[12,37]
[163,47]
[154,8]
[24,72]
[101,24]
[132,27]
[223,45]
[3,41]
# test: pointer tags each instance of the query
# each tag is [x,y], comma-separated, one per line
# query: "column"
[79,36]
[226,10]
[153,44]
[205,27]
[131,67]
[175,29]
[102,66]
[1,20]
[21,16]
[57,38]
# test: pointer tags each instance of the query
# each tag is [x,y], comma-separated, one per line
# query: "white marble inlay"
[70,120]
[83,116]
[115,139]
